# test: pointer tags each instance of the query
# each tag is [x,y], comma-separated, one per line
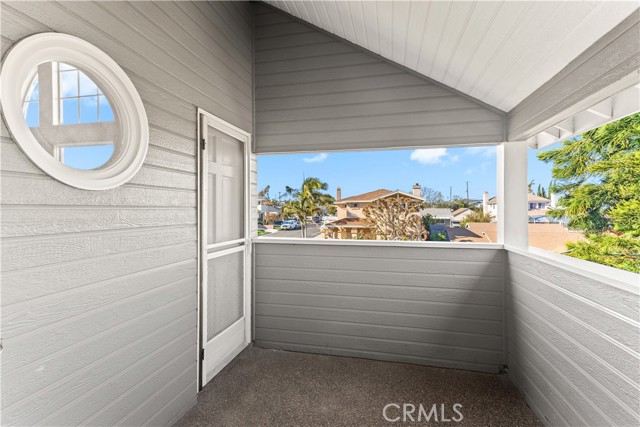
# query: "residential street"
[313,230]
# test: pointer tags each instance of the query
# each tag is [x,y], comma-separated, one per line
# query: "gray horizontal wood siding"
[573,344]
[99,287]
[440,307]
[316,92]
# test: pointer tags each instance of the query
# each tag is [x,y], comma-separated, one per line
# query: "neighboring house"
[351,222]
[438,215]
[534,203]
[551,237]
[458,215]
[537,202]
[267,212]
[475,203]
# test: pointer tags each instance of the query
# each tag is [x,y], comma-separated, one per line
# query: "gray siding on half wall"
[439,307]
[99,287]
[316,92]
[573,344]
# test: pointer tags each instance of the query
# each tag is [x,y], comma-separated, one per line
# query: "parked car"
[290,224]
[277,223]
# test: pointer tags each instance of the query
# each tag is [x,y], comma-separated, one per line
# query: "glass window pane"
[87,157]
[106,113]
[31,114]
[64,66]
[34,90]
[69,84]
[35,94]
[78,145]
[87,86]
[89,109]
[69,111]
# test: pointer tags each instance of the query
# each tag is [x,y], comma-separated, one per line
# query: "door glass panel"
[225,292]
[226,187]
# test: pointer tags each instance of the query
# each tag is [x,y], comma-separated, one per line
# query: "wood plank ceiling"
[497,52]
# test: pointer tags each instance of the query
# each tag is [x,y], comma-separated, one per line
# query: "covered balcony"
[147,297]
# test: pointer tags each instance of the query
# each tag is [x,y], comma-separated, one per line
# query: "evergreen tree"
[598,177]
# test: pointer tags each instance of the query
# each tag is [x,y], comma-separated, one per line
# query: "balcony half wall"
[427,305]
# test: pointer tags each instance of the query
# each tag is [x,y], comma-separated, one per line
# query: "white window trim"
[20,65]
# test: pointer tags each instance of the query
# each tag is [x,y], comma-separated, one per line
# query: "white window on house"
[74,104]
[383,194]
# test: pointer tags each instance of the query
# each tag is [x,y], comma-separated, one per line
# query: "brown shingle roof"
[365,197]
[538,212]
[377,194]
[349,222]
[534,198]
[459,211]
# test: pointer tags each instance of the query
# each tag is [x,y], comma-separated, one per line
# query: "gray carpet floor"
[279,388]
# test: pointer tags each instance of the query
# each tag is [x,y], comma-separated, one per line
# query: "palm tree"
[306,201]
[264,193]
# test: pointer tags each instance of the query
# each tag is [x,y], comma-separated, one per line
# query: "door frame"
[201,330]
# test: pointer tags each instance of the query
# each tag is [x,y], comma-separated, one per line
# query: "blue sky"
[359,172]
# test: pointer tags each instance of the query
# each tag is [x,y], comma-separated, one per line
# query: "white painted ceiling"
[497,52]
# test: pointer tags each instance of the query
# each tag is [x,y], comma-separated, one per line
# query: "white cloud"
[484,167]
[429,156]
[316,159]
[485,151]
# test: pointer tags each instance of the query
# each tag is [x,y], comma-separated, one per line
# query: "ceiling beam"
[607,67]
[620,105]
[603,109]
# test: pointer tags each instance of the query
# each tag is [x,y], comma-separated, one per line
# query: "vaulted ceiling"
[497,52]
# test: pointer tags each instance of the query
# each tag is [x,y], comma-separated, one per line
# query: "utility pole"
[450,193]
[467,193]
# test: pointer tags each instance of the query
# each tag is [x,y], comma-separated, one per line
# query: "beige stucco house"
[352,222]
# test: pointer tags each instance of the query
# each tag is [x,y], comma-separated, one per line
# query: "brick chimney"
[415,190]
[338,194]
[485,202]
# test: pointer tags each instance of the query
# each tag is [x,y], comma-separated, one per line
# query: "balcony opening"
[584,195]
[426,194]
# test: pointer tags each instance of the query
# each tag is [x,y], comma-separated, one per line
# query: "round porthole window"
[74,111]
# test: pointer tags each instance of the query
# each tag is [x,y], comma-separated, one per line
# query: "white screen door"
[224,271]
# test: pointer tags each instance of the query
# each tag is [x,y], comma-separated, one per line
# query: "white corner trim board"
[19,67]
